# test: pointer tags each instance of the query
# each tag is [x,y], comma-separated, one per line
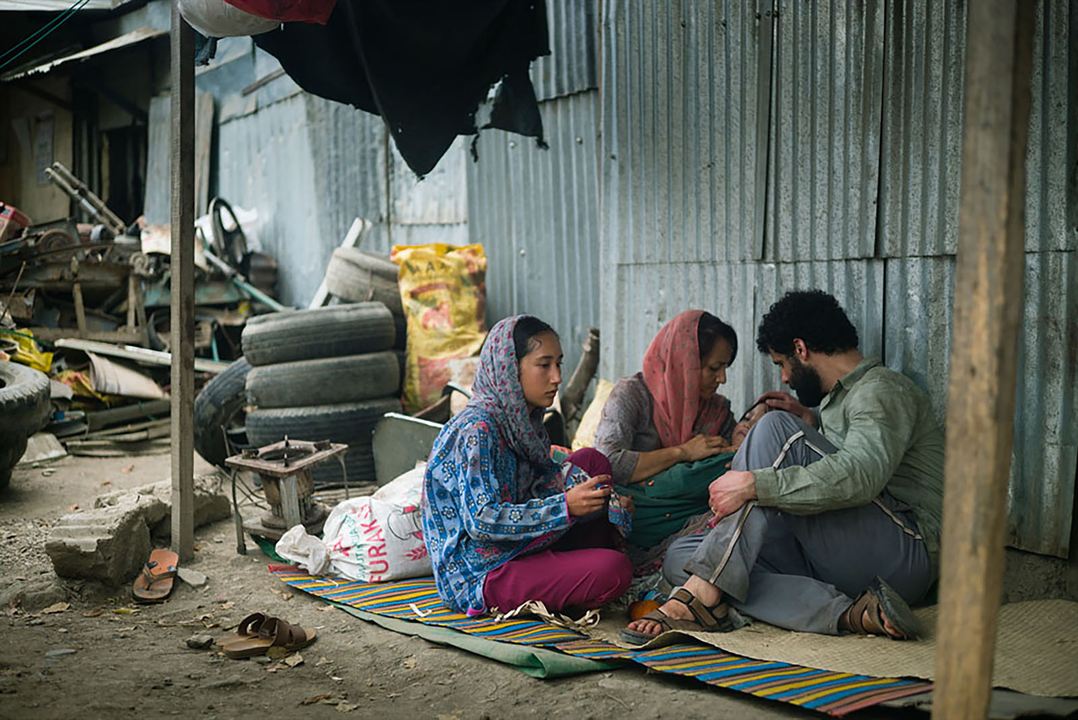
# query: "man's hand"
[730,491]
[778,400]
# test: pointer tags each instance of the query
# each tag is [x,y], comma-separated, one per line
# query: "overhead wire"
[27,43]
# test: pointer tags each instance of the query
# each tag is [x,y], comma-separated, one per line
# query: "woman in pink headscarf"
[670,414]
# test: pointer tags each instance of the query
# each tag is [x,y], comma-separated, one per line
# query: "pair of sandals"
[258,632]
[878,606]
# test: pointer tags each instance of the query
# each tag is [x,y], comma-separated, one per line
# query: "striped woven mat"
[417,600]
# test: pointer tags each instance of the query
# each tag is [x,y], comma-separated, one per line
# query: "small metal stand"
[285,470]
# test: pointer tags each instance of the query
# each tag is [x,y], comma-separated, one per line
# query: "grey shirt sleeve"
[625,428]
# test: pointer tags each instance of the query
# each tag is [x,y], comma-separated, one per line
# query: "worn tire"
[219,405]
[324,381]
[351,423]
[355,276]
[24,409]
[323,332]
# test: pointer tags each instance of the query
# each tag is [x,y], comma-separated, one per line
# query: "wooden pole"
[182,266]
[987,309]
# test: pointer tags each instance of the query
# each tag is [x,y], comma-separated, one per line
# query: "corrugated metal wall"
[536,211]
[864,105]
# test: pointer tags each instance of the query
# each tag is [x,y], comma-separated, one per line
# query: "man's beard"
[805,382]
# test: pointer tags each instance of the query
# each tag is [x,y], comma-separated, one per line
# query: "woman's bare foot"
[704,591]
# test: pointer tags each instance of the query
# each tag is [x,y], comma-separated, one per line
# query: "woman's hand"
[702,446]
[778,400]
[588,497]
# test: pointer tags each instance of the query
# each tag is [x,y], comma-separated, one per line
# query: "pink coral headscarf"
[672,375]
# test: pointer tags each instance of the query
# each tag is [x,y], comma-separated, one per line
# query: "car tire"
[24,409]
[355,276]
[219,406]
[350,423]
[332,331]
[324,381]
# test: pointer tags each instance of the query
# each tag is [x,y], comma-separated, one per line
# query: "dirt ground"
[103,657]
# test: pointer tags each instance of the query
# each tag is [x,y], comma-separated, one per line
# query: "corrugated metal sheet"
[571,65]
[1052,154]
[440,198]
[536,213]
[1041,493]
[922,130]
[309,167]
[646,296]
[920,295]
[682,156]
[825,130]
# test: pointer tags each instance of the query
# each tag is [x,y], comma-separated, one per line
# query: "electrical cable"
[45,29]
[39,35]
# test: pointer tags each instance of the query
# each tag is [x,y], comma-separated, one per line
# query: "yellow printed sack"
[443,290]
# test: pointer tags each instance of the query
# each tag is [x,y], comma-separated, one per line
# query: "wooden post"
[182,265]
[987,309]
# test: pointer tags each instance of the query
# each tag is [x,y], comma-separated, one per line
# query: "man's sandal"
[154,584]
[705,619]
[866,615]
[273,632]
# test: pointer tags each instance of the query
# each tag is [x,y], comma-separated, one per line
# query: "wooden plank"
[351,239]
[182,265]
[987,311]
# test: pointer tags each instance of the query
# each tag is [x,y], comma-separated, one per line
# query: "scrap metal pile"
[84,309]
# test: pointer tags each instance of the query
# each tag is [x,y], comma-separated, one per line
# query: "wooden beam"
[182,265]
[987,310]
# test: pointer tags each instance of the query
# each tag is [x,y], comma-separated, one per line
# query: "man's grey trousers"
[801,572]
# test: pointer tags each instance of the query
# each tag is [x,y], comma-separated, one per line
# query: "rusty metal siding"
[572,65]
[825,130]
[681,110]
[536,212]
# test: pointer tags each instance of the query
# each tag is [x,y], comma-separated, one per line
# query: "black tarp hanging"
[423,65]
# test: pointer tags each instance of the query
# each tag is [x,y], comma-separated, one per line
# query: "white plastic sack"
[305,550]
[380,537]
[217,19]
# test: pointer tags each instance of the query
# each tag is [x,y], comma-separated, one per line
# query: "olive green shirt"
[887,439]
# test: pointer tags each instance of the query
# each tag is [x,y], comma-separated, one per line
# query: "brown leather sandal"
[705,619]
[273,632]
[154,583]
[247,629]
[880,601]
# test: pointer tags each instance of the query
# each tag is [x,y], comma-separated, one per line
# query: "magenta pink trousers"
[582,570]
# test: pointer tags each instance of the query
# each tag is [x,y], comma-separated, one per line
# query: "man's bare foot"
[704,591]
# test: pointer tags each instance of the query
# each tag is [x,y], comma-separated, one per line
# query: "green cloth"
[666,501]
[887,438]
[534,661]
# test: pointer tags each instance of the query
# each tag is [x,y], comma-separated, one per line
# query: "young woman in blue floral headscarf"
[500,525]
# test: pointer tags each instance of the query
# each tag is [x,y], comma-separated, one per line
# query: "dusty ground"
[103,657]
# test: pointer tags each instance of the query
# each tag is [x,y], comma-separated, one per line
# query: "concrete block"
[108,543]
[111,542]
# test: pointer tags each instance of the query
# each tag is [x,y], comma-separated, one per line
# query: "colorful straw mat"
[417,600]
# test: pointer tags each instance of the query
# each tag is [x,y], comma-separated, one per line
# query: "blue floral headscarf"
[497,390]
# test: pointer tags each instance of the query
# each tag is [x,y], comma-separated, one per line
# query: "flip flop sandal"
[706,619]
[273,632]
[154,584]
[866,615]
[247,629]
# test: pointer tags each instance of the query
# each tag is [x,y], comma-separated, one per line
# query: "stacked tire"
[357,276]
[328,373]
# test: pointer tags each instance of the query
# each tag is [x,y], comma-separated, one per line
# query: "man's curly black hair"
[812,315]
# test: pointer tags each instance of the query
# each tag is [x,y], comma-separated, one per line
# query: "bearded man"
[829,519]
